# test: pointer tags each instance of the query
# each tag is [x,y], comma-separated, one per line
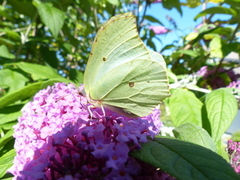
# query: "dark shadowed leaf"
[185,161]
[216,10]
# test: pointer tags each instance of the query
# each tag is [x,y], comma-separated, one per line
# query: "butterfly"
[121,73]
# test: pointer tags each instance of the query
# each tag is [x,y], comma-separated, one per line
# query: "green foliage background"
[42,42]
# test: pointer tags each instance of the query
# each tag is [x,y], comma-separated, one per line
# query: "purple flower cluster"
[61,136]
[233,149]
[234,84]
[159,29]
[218,79]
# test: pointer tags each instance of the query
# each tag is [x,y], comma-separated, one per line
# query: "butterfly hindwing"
[138,86]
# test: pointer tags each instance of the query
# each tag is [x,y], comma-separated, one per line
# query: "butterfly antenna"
[77,99]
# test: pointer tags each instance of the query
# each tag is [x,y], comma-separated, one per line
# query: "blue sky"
[185,22]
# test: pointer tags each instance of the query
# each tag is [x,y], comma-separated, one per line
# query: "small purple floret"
[233,149]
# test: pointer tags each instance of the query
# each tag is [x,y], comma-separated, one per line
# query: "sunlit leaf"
[215,1]
[192,133]
[51,82]
[12,80]
[24,93]
[6,138]
[191,36]
[52,17]
[221,108]
[185,107]
[6,162]
[194,3]
[219,48]
[38,71]
[4,52]
[114,2]
[216,47]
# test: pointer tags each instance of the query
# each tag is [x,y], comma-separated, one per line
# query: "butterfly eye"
[131,84]
[104,59]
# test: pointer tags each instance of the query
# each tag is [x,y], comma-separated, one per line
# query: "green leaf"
[7,41]
[114,2]
[219,48]
[6,162]
[207,28]
[24,93]
[185,161]
[49,57]
[10,113]
[4,13]
[221,108]
[5,53]
[169,4]
[52,17]
[216,47]
[76,76]
[12,80]
[221,149]
[193,3]
[37,71]
[23,7]
[192,133]
[151,44]
[11,34]
[153,19]
[216,10]
[51,82]
[191,36]
[6,138]
[187,52]
[185,107]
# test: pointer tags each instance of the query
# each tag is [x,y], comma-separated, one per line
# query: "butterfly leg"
[103,111]
[90,112]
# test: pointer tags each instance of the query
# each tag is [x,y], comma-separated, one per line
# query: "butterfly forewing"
[116,42]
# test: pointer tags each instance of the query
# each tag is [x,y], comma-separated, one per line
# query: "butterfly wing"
[121,72]
[136,87]
[158,58]
[116,43]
